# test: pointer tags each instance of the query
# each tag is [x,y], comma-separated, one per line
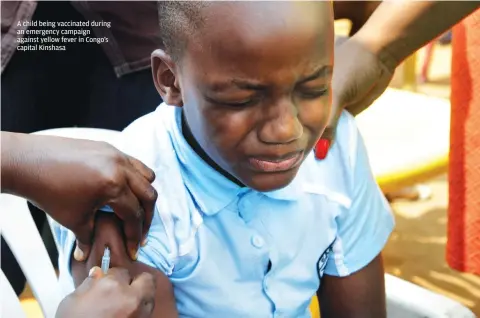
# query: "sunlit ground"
[416,250]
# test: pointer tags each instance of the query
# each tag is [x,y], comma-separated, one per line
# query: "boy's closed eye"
[108,232]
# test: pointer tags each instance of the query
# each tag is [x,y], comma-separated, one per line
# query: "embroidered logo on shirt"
[322,261]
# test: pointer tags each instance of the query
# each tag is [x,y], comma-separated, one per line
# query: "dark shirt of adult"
[132,36]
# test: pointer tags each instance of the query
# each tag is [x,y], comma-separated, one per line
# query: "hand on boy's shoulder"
[356,83]
[70,179]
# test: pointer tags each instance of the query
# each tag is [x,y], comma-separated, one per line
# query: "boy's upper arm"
[353,285]
[360,295]
[364,228]
[108,233]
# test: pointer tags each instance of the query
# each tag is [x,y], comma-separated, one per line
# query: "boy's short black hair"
[179,20]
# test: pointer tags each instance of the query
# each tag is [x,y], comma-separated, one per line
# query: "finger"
[329,132]
[147,195]
[120,275]
[142,168]
[129,210]
[337,108]
[328,136]
[144,288]
[84,241]
[95,273]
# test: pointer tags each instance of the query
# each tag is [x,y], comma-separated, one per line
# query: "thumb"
[84,240]
[95,273]
[340,99]
[328,136]
[335,113]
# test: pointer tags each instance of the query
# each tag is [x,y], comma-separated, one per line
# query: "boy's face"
[255,86]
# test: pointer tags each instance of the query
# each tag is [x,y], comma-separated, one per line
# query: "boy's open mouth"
[278,164]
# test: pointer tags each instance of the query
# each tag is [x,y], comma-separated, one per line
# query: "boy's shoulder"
[148,138]
[333,176]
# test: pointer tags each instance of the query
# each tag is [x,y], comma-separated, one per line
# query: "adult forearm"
[399,28]
[17,162]
[8,161]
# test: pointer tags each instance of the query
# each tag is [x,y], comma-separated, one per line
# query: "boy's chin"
[266,182]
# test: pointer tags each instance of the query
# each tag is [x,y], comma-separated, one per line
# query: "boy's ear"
[165,79]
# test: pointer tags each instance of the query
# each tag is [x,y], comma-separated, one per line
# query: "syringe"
[106,260]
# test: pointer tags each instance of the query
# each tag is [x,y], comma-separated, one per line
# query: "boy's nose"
[282,128]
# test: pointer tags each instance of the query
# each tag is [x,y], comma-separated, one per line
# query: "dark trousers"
[76,87]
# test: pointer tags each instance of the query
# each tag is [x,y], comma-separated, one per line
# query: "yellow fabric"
[314,308]
[409,73]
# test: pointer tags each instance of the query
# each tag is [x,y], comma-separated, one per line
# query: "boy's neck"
[187,134]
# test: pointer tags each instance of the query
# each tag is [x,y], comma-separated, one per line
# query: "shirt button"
[257,241]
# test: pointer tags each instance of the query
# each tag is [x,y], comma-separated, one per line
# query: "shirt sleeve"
[157,253]
[65,241]
[364,228]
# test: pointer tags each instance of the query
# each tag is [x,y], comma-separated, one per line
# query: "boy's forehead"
[257,31]
[267,15]
[233,8]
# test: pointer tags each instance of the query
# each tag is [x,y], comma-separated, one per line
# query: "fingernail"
[144,242]
[78,254]
[134,254]
[92,271]
[321,148]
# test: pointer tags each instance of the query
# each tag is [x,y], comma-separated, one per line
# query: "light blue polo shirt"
[236,252]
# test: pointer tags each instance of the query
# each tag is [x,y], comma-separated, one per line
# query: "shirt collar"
[210,189]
